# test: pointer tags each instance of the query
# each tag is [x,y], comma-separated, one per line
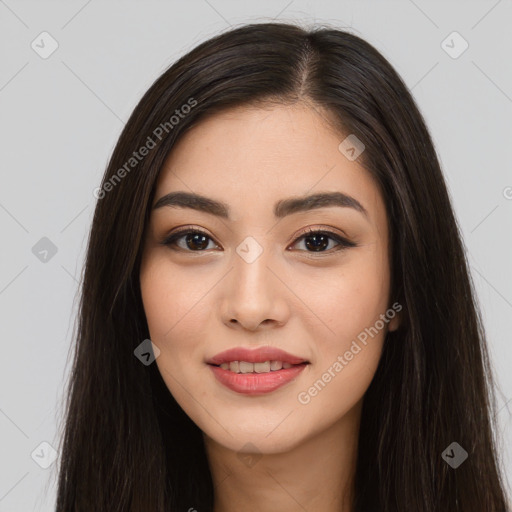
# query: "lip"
[256,383]
[256,355]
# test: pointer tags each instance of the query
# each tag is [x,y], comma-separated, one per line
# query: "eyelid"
[343,242]
[328,230]
[184,230]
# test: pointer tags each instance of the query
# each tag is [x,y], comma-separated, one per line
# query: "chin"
[257,440]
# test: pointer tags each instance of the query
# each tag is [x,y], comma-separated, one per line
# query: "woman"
[277,312]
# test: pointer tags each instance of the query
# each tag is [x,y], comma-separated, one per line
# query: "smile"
[246,367]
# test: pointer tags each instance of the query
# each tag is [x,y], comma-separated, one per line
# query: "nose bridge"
[253,294]
[251,260]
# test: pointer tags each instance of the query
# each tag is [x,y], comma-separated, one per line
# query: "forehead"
[257,156]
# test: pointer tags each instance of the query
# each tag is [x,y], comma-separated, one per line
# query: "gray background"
[60,119]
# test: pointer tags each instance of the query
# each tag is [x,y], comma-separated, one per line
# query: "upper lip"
[256,355]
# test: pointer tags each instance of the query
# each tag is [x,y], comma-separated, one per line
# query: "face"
[252,279]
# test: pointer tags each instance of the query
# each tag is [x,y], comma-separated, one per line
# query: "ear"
[395,322]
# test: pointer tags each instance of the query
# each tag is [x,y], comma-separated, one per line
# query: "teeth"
[262,367]
[276,365]
[245,367]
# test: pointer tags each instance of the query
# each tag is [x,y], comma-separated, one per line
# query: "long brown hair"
[128,446]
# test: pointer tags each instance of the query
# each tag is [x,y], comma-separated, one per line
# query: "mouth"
[245,367]
[256,371]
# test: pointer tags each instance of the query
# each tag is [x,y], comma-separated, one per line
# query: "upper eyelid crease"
[282,208]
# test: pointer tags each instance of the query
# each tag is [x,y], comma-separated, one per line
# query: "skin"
[310,304]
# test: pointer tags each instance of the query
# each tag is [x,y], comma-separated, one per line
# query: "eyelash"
[171,240]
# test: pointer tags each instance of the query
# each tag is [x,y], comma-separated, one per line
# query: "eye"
[318,241]
[196,240]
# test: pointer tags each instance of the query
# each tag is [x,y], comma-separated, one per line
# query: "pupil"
[202,245]
[317,245]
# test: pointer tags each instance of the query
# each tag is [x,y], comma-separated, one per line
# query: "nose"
[254,296]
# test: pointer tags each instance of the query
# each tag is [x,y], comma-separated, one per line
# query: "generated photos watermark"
[158,133]
[304,397]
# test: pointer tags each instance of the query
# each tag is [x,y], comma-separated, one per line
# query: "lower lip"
[256,383]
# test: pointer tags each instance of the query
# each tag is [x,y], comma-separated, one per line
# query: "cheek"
[347,358]
[352,304]
[356,295]
[171,297]
[177,316]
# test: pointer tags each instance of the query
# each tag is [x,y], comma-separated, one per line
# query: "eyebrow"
[282,207]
